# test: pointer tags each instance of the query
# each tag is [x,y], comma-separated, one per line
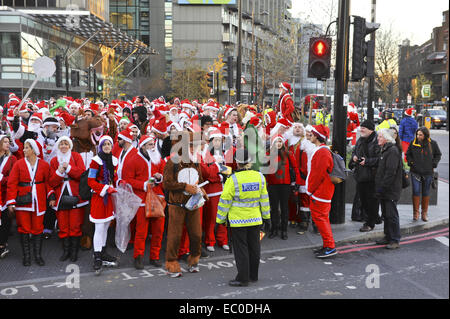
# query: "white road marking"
[443,240]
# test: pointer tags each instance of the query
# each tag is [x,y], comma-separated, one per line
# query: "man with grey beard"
[365,157]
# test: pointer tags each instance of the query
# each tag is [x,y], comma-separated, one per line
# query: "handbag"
[154,205]
[68,202]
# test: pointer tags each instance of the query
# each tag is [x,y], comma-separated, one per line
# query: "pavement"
[12,271]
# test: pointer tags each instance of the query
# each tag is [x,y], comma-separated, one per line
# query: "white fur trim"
[104,190]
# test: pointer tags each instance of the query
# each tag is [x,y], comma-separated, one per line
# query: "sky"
[410,19]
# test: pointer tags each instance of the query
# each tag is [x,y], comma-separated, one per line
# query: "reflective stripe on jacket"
[244,200]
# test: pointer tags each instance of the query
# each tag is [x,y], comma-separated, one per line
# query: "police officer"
[245,203]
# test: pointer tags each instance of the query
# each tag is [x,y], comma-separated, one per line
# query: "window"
[9,45]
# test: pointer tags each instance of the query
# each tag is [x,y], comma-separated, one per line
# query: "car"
[438,117]
[376,115]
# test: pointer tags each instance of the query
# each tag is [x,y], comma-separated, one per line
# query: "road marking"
[443,240]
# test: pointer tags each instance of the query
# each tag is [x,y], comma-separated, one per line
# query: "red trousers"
[209,223]
[139,230]
[29,222]
[320,215]
[69,222]
[293,216]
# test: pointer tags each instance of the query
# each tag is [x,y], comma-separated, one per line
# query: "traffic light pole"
[66,62]
[337,213]
[239,53]
[370,95]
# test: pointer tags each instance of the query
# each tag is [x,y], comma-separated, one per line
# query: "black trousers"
[247,252]
[391,220]
[369,203]
[279,207]
[5,227]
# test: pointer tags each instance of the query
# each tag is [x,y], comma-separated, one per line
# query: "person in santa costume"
[7,161]
[285,104]
[102,176]
[281,181]
[150,159]
[65,173]
[232,118]
[212,158]
[27,194]
[321,189]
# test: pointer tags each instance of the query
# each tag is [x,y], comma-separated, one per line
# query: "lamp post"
[239,53]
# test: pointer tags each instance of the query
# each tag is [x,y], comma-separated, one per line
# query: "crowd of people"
[180,149]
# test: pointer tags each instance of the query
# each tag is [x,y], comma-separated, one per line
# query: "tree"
[189,82]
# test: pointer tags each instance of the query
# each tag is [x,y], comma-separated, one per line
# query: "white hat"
[33,145]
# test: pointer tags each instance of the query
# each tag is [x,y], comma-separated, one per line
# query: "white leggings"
[100,235]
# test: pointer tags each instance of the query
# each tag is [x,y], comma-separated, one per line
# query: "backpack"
[339,172]
[84,189]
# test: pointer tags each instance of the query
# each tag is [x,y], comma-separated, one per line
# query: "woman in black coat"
[423,155]
[388,186]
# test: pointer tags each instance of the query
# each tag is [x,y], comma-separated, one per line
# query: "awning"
[437,56]
[86,25]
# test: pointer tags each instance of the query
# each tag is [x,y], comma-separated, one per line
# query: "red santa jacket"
[152,169]
[286,107]
[282,175]
[133,170]
[101,212]
[5,169]
[19,184]
[69,180]
[301,160]
[318,182]
[210,173]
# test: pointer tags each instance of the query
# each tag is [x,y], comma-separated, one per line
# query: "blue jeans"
[421,183]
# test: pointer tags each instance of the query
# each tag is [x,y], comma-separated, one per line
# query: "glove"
[191,189]
[267,224]
[111,190]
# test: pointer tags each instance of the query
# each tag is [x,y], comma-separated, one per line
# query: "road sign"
[409,98]
[426,91]
[232,92]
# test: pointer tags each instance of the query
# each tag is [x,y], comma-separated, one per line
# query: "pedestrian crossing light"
[319,58]
[210,78]
[99,85]
[363,51]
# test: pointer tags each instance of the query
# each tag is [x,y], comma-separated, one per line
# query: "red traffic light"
[319,48]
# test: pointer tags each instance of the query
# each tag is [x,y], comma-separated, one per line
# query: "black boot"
[25,243]
[66,243]
[37,249]
[139,262]
[75,247]
[273,232]
[97,262]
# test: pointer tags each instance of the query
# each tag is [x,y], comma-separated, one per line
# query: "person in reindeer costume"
[182,177]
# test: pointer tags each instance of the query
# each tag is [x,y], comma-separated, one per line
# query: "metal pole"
[370,96]
[67,75]
[239,53]
[337,213]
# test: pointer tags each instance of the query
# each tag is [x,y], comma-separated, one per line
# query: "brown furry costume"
[178,216]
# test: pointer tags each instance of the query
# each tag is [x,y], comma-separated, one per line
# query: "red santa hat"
[285,123]
[214,131]
[145,139]
[131,125]
[270,118]
[95,108]
[276,138]
[174,124]
[255,121]
[67,118]
[225,128]
[212,106]
[286,86]
[321,131]
[410,112]
[126,135]
[186,104]
[160,125]
[228,111]
[35,146]
[37,116]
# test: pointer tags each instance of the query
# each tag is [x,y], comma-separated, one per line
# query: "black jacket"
[388,180]
[423,158]
[368,148]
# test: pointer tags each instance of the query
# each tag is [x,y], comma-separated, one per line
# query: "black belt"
[67,179]
[22,184]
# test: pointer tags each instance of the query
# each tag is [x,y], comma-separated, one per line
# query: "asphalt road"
[418,270]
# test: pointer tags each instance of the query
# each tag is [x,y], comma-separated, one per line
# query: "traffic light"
[87,79]
[363,51]
[211,80]
[99,85]
[75,78]
[319,58]
[94,76]
[228,71]
[58,72]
